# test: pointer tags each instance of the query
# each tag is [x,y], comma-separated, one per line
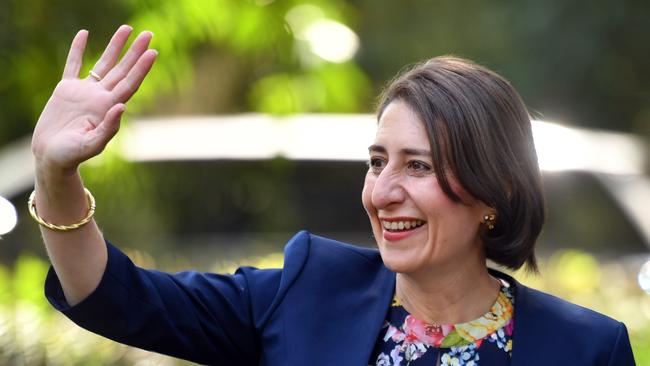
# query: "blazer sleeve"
[622,352]
[205,318]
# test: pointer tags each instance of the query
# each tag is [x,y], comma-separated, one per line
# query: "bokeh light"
[8,217]
[332,41]
[326,38]
[644,277]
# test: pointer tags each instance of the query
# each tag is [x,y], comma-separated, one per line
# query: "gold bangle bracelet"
[31,204]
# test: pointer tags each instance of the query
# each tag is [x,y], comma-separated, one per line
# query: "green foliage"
[256,33]
[32,333]
[28,278]
[573,62]
[641,342]
[580,62]
[330,88]
[34,38]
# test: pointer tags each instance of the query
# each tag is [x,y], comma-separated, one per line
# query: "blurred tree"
[246,56]
[576,61]
[233,56]
[216,56]
[34,37]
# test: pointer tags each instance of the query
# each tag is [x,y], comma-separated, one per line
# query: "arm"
[80,118]
[205,318]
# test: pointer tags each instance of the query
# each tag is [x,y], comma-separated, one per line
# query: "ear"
[484,209]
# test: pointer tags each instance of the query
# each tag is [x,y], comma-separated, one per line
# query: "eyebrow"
[405,151]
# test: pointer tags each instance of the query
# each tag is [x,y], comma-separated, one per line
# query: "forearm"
[77,122]
[78,256]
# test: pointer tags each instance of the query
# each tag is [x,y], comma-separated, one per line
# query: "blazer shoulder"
[569,329]
[320,250]
[309,259]
[565,312]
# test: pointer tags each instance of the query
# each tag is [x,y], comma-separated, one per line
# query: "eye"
[376,164]
[418,167]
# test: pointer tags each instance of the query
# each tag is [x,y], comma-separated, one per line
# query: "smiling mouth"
[397,226]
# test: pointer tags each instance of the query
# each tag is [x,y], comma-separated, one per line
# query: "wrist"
[46,171]
[59,195]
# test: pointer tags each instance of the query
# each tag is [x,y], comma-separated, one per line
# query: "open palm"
[82,115]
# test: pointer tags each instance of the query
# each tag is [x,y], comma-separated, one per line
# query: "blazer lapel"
[338,322]
[362,319]
[377,302]
[527,342]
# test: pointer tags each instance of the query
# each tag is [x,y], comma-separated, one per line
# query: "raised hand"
[82,115]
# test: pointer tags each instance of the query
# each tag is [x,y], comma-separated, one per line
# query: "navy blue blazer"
[325,307]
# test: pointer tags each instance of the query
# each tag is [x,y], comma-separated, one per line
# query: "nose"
[388,189]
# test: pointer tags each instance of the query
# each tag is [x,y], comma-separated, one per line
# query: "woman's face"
[417,227]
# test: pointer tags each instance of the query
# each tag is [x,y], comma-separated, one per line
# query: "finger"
[130,84]
[112,51]
[75,55]
[119,72]
[107,128]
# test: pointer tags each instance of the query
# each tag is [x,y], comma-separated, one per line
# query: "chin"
[398,261]
[396,267]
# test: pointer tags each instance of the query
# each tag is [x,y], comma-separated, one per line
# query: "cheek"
[366,194]
[435,204]
[460,191]
[458,219]
[474,209]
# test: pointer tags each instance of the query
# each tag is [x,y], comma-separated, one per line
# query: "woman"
[452,181]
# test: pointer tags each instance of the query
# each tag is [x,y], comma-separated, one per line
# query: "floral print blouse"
[486,341]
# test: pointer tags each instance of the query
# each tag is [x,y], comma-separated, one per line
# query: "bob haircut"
[480,134]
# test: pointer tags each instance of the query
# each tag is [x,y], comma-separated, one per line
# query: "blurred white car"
[597,187]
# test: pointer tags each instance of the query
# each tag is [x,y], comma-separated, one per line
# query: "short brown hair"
[480,131]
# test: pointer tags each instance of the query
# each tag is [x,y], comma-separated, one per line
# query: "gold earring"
[490,220]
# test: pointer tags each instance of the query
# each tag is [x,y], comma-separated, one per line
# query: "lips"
[395,229]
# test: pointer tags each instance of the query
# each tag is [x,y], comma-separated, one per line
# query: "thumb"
[106,129]
[111,123]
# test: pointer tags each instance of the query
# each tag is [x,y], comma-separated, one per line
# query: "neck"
[452,295]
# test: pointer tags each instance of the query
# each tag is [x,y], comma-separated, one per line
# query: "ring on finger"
[95,75]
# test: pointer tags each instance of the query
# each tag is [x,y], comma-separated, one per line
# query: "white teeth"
[401,225]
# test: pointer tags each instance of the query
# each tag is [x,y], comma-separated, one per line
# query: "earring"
[490,220]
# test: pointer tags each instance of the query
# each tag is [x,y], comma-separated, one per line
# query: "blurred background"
[203,174]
